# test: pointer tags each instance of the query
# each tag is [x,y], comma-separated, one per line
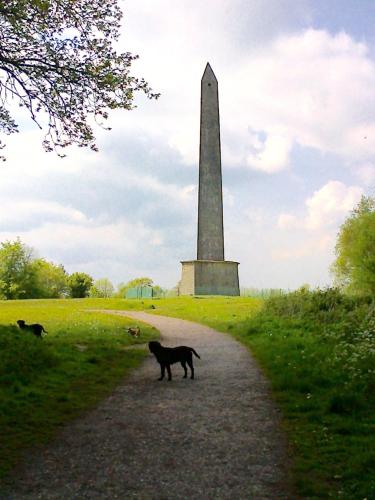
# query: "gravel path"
[215,437]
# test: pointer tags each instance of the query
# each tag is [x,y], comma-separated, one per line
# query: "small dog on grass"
[167,356]
[35,328]
[134,331]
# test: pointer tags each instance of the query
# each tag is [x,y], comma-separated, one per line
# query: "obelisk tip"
[208,73]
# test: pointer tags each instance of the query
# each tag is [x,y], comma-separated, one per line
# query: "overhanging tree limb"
[57,59]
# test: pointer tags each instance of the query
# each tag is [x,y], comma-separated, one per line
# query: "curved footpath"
[215,437]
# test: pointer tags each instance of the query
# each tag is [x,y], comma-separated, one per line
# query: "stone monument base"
[209,277]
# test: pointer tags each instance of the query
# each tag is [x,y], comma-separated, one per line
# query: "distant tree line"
[23,275]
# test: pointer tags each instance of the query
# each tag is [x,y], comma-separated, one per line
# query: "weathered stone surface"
[209,277]
[186,286]
[210,202]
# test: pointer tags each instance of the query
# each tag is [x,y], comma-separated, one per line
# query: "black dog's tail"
[194,352]
[43,330]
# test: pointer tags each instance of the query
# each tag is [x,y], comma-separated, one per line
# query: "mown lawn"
[45,383]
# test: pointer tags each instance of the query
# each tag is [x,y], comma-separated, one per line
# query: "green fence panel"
[139,292]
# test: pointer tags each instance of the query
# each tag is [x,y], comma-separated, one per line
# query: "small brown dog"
[135,332]
[167,356]
[35,328]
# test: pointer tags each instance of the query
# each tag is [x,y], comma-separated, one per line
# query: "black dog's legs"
[183,363]
[162,372]
[190,363]
[163,367]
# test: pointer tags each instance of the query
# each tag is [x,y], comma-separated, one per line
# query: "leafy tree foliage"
[17,273]
[51,280]
[102,288]
[57,60]
[79,285]
[144,281]
[354,267]
[158,291]
[22,276]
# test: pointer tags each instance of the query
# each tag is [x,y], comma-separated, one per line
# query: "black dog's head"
[21,323]
[154,346]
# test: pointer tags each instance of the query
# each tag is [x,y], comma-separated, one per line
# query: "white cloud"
[272,155]
[22,213]
[331,203]
[152,185]
[306,242]
[288,221]
[311,88]
[327,207]
[307,248]
[77,244]
[189,33]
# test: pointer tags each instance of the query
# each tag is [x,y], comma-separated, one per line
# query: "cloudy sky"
[297,105]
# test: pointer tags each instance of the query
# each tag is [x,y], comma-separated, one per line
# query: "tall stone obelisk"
[210,274]
[210,197]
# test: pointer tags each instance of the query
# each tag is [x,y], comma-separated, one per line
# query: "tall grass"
[318,349]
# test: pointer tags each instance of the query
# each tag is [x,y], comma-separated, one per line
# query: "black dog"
[35,328]
[167,356]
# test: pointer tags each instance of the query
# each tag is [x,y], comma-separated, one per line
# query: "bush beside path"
[217,436]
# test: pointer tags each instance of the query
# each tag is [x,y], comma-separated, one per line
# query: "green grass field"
[45,383]
[318,356]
